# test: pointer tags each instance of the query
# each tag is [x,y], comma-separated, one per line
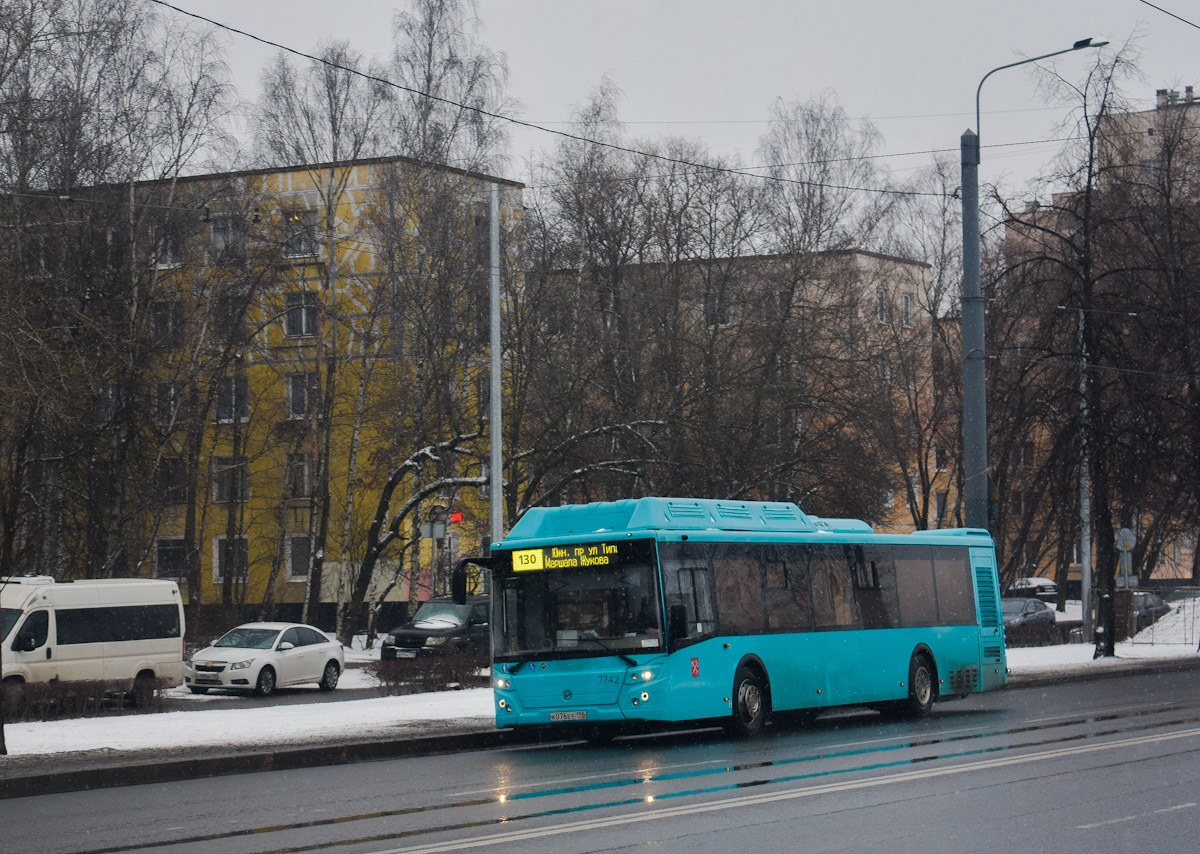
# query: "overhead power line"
[1170,14]
[530,125]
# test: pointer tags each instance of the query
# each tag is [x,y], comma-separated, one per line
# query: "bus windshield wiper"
[632,662]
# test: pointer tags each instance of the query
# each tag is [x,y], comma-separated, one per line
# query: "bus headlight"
[645,696]
[503,684]
[647,675]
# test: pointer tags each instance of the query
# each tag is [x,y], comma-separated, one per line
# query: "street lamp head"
[1082,43]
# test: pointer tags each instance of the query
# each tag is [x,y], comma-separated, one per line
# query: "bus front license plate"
[568,716]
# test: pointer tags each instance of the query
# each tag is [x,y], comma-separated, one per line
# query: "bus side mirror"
[459,578]
[677,622]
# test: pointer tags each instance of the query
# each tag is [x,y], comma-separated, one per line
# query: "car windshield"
[243,638]
[443,613]
[8,619]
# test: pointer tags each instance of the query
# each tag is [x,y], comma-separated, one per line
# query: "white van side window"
[117,623]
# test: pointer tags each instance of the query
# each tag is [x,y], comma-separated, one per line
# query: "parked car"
[1037,588]
[1149,607]
[438,627]
[1183,594]
[261,657]
[1026,612]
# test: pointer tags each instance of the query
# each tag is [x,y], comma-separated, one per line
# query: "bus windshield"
[585,599]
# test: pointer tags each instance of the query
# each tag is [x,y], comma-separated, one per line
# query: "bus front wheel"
[749,702]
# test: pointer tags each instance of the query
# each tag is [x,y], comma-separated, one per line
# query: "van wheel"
[144,685]
[265,686]
[12,694]
[329,678]
[749,702]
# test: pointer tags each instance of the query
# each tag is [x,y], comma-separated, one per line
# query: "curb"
[278,759]
[135,772]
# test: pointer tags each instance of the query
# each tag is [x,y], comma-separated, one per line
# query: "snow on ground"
[1174,636]
[264,725]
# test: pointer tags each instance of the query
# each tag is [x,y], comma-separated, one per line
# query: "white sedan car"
[261,657]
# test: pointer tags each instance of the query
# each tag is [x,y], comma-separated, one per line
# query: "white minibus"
[128,631]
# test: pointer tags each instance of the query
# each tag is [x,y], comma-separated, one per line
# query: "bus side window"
[875,586]
[695,597]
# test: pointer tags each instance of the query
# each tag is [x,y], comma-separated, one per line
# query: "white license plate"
[406,653]
[568,716]
[207,677]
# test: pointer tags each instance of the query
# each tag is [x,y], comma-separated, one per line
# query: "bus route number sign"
[527,560]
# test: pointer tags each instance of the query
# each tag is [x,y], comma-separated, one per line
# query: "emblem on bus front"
[567,694]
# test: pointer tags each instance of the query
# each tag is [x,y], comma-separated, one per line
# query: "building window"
[233,399]
[229,319]
[170,480]
[1020,502]
[167,320]
[228,231]
[166,245]
[914,489]
[883,306]
[168,403]
[232,555]
[1025,454]
[231,480]
[297,556]
[300,314]
[170,557]
[939,457]
[908,309]
[303,392]
[299,475]
[300,234]
[942,502]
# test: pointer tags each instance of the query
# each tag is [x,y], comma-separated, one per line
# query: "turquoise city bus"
[658,610]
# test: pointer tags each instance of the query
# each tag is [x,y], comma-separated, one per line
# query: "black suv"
[440,626]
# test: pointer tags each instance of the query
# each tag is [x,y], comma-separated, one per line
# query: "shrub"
[436,673]
[45,701]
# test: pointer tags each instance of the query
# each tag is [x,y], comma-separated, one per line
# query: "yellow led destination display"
[564,557]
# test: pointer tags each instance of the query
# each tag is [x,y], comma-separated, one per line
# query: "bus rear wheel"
[921,689]
[749,702]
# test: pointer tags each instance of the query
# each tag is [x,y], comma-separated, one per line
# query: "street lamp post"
[975,462]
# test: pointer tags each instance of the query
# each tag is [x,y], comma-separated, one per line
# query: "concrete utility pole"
[496,464]
[974,353]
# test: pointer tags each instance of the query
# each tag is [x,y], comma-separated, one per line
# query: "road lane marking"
[1126,818]
[788,795]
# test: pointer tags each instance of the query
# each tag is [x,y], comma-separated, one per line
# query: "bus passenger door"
[993,668]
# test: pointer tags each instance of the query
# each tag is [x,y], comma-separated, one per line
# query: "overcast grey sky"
[710,69]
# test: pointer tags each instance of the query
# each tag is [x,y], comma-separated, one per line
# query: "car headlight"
[392,640]
[435,641]
[241,665]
